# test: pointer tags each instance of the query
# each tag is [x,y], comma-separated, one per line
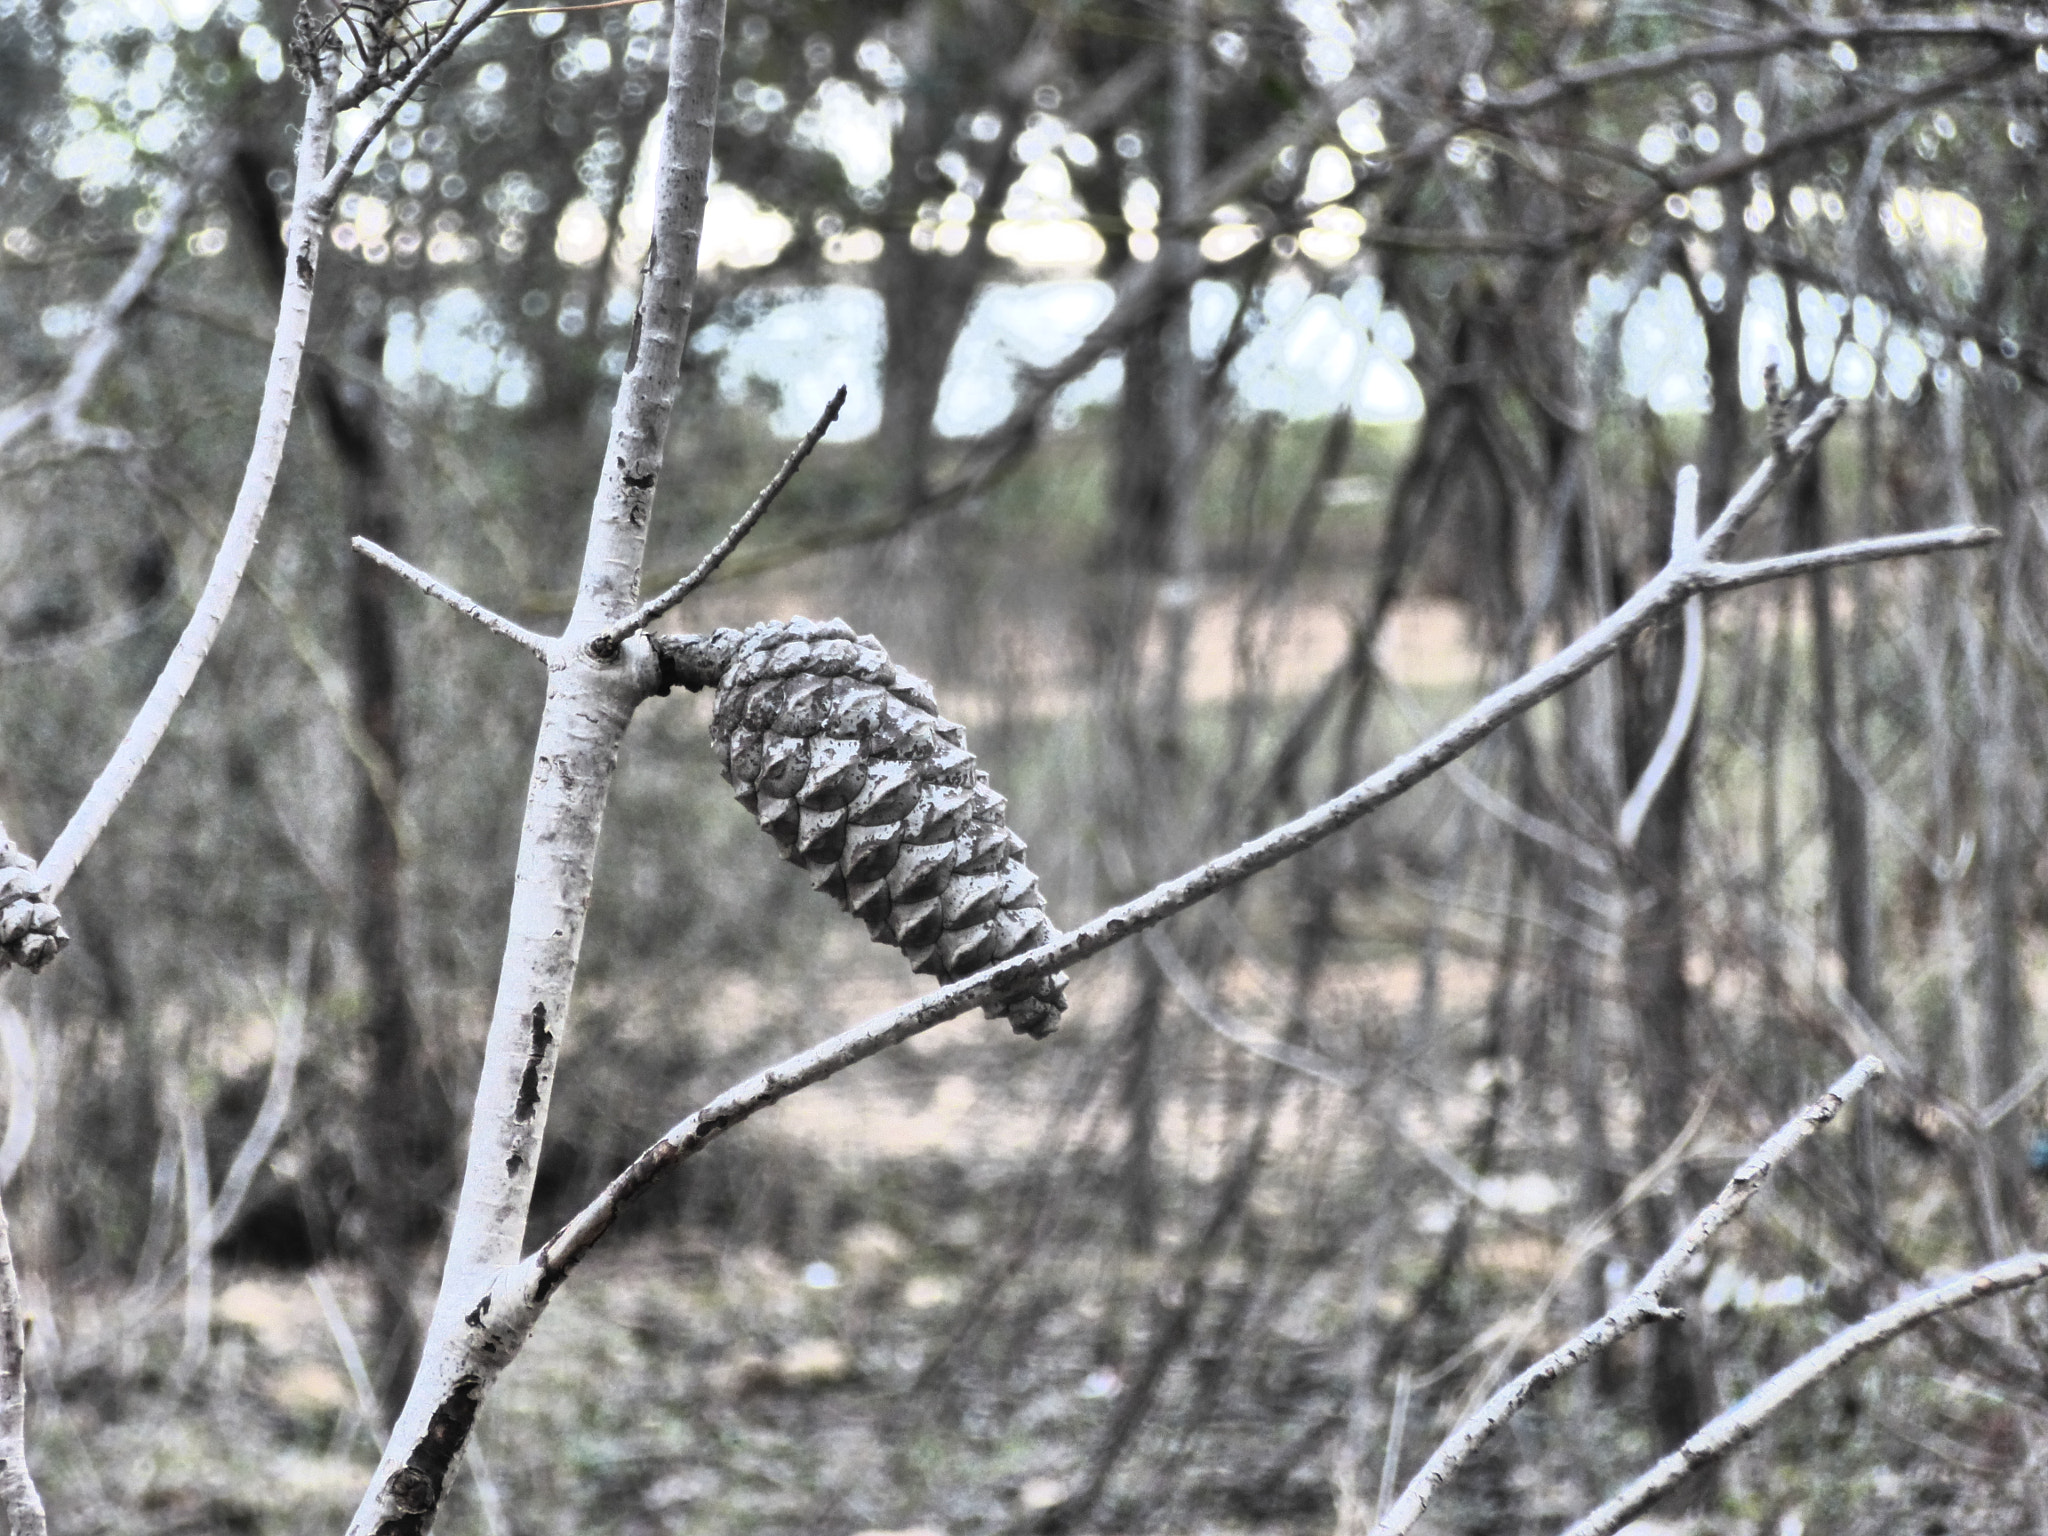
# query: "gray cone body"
[844,759]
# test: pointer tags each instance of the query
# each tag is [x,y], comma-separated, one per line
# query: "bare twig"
[280,390]
[351,1354]
[468,607]
[1202,1004]
[277,1091]
[198,1230]
[1198,1001]
[1397,1424]
[1644,1304]
[1731,1429]
[17,1488]
[1748,573]
[453,38]
[1510,814]
[608,640]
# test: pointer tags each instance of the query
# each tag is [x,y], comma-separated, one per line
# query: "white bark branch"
[468,607]
[280,391]
[1738,1424]
[1645,1304]
[19,1049]
[17,1488]
[590,700]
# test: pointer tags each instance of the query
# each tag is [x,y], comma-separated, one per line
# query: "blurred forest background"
[1237,389]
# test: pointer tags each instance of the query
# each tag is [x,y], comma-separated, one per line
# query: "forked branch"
[607,642]
[590,700]
[504,1312]
[1648,1302]
[1733,1428]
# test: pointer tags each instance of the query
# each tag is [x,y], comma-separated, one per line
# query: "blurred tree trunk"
[1837,736]
[403,1118]
[925,299]
[1159,466]
[1838,740]
[1658,922]
[927,294]
[2004,851]
[403,1121]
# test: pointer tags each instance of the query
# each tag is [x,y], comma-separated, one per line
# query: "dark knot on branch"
[695,662]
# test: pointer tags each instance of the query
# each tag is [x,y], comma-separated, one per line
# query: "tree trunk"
[1656,927]
[403,1116]
[401,1120]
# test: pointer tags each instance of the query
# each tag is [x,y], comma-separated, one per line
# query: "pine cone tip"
[31,929]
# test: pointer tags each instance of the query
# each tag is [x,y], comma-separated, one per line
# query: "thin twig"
[469,608]
[606,642]
[1202,1004]
[1313,1064]
[1644,1304]
[198,1231]
[277,1092]
[401,93]
[252,501]
[17,1489]
[1397,1425]
[1748,573]
[1509,813]
[351,1354]
[1738,1424]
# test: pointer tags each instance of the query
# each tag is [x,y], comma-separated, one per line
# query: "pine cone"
[844,758]
[30,928]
